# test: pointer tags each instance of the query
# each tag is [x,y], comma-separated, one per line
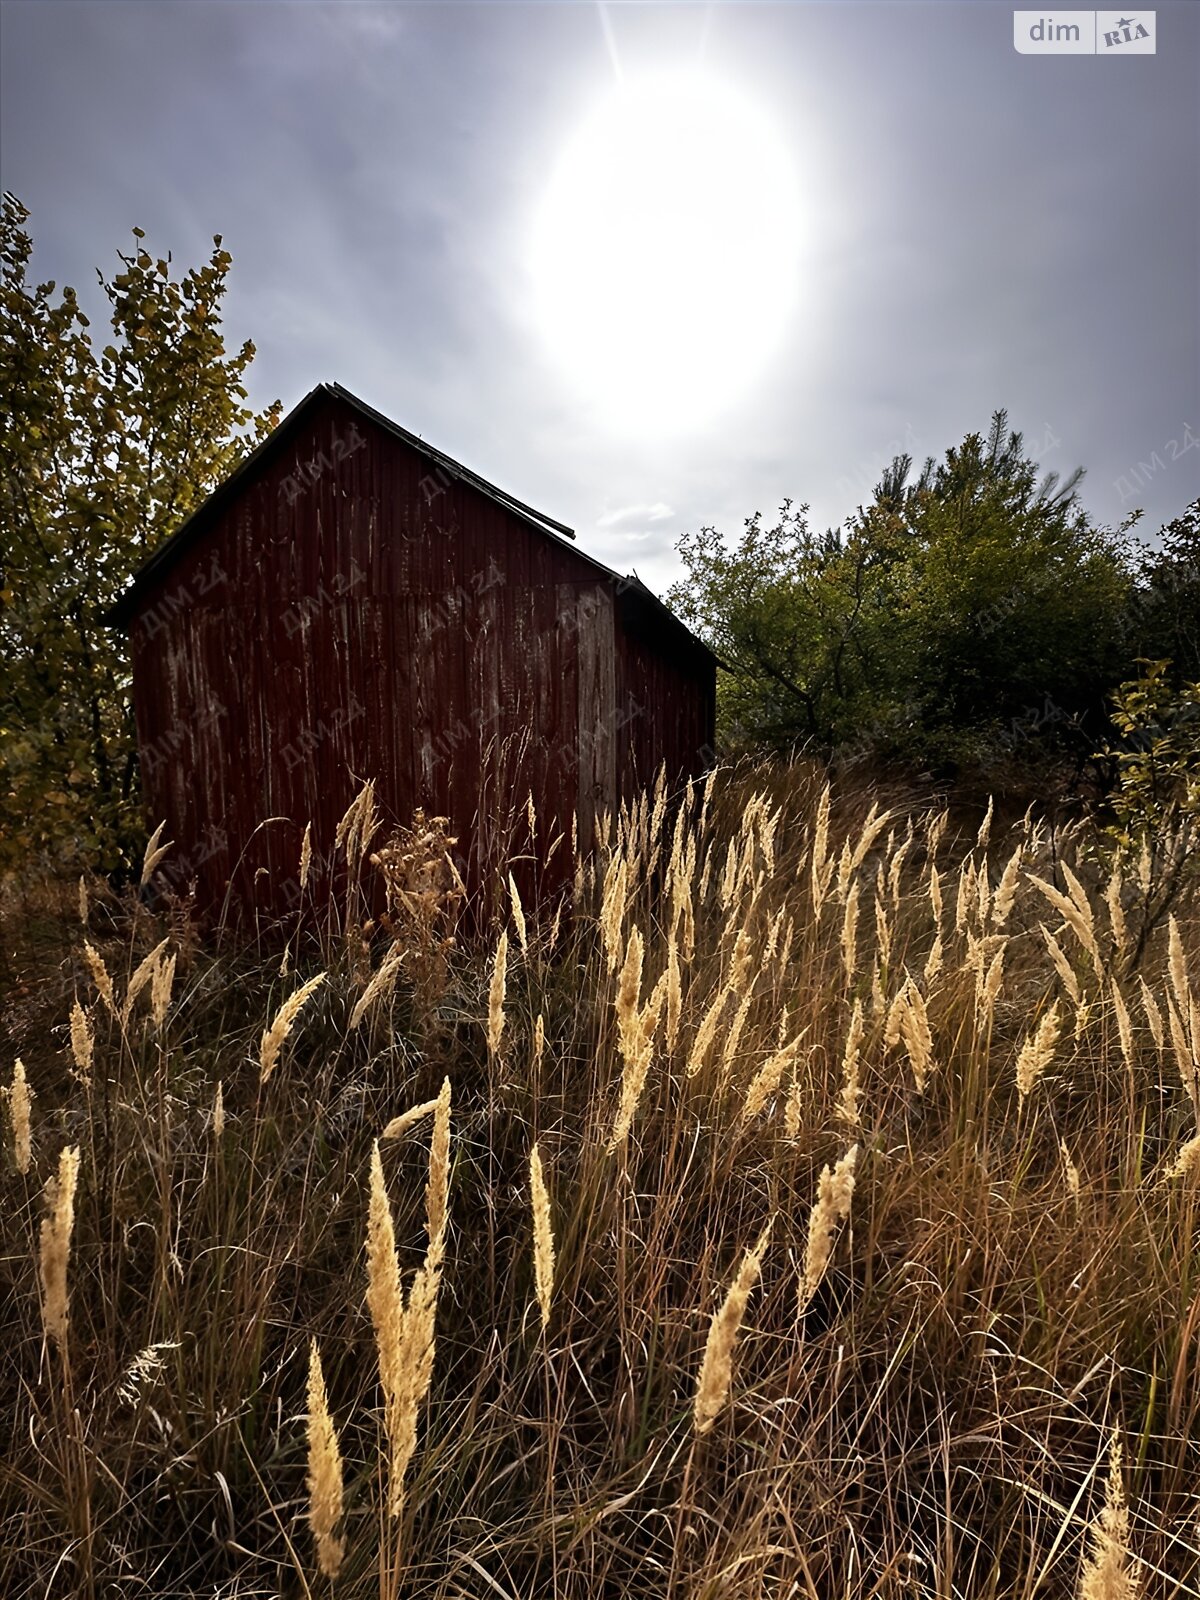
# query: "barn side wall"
[353,613]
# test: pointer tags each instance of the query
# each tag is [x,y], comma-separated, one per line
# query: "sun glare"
[664,251]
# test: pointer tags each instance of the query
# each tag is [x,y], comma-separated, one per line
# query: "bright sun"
[664,252]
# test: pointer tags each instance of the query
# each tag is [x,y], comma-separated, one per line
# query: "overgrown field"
[812,1211]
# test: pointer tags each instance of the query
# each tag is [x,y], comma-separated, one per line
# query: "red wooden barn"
[353,604]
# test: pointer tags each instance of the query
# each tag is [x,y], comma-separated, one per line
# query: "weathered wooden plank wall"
[352,613]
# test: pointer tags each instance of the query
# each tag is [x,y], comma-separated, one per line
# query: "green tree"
[958,606]
[102,456]
[1167,622]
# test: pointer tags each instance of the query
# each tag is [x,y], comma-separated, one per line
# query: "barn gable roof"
[639,602]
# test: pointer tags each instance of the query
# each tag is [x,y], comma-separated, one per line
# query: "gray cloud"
[983,229]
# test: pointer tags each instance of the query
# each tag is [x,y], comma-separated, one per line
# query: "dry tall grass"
[919,1056]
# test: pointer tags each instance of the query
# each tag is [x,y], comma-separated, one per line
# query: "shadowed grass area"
[917,1372]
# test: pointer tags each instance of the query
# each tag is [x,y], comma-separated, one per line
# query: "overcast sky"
[970,228]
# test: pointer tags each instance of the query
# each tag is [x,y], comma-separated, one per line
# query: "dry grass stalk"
[404,1334]
[539,1043]
[734,1037]
[518,914]
[218,1112]
[543,1235]
[358,826]
[161,985]
[712,1386]
[935,898]
[821,867]
[674,997]
[1076,911]
[153,854]
[408,1119]
[1070,1171]
[83,1042]
[437,1189]
[1177,967]
[20,1100]
[1065,970]
[324,1472]
[275,1037]
[143,974]
[850,934]
[83,900]
[100,977]
[380,986]
[883,933]
[933,962]
[876,822]
[847,1109]
[1185,1060]
[385,1299]
[1116,916]
[496,991]
[1037,1052]
[1154,1016]
[1187,1162]
[983,895]
[55,1241]
[985,827]
[1124,1026]
[305,856]
[769,1076]
[1006,889]
[705,1033]
[1110,1573]
[637,1030]
[988,990]
[918,1041]
[612,908]
[835,1188]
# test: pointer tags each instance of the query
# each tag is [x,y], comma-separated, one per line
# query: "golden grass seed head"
[154,853]
[767,1079]
[518,915]
[161,985]
[55,1245]
[1186,1164]
[1006,889]
[543,1235]
[100,977]
[496,992]
[1070,1171]
[408,1119]
[380,985]
[437,1190]
[713,1384]
[218,1112]
[1037,1052]
[1154,1016]
[324,1471]
[143,975]
[305,856]
[850,934]
[83,1042]
[1110,1572]
[275,1037]
[835,1189]
[985,827]
[20,1102]
[1062,965]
